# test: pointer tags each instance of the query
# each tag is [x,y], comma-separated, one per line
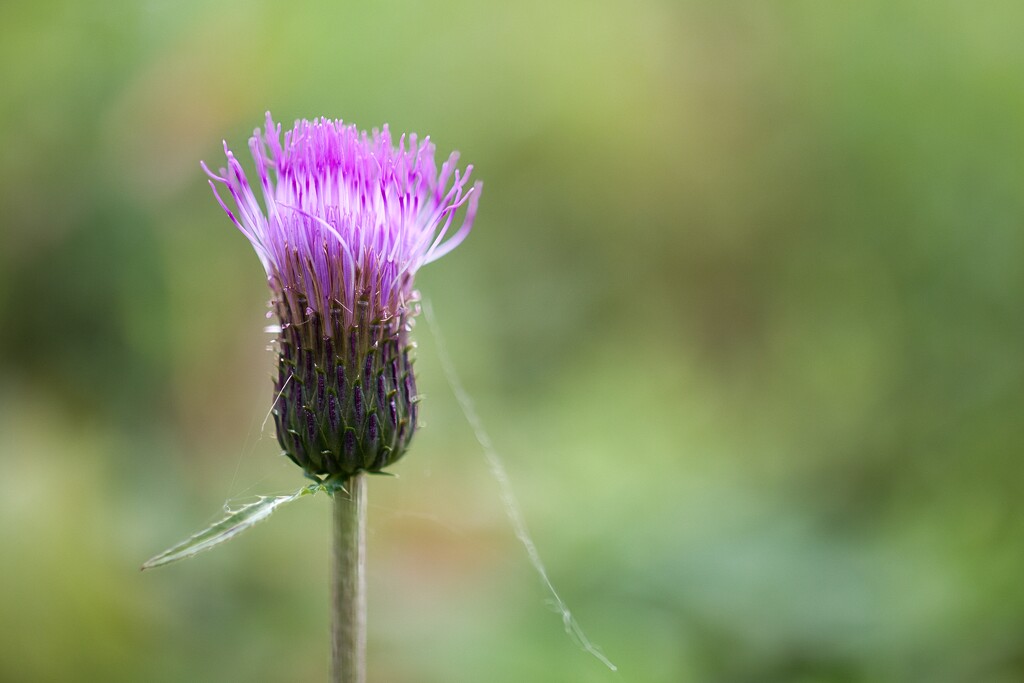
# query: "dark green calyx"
[346,402]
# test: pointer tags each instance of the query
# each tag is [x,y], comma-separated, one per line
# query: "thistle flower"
[347,220]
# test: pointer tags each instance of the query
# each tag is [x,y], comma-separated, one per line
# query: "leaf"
[235,523]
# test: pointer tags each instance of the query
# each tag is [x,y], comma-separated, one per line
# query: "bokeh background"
[742,310]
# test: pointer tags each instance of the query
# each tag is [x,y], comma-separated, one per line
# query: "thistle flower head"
[346,221]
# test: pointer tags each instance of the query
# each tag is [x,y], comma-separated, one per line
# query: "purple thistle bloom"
[346,221]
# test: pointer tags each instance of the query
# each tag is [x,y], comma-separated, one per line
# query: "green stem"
[348,583]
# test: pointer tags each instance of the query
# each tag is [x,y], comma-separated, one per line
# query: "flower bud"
[329,425]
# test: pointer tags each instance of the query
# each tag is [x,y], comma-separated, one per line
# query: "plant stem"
[348,583]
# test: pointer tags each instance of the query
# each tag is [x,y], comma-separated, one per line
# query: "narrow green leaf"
[229,527]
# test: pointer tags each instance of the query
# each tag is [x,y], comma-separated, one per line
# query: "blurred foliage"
[742,309]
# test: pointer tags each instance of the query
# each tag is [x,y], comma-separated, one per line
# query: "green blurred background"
[742,309]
